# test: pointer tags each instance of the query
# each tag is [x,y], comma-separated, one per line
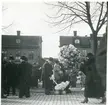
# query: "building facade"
[84,44]
[17,45]
[101,59]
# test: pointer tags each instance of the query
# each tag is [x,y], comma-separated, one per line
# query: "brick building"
[17,45]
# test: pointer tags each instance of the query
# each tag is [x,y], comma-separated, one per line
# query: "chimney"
[75,33]
[18,33]
[85,35]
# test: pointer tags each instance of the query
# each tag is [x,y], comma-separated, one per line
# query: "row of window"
[18,53]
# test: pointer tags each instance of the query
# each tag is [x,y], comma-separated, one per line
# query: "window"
[18,41]
[84,52]
[77,41]
[31,55]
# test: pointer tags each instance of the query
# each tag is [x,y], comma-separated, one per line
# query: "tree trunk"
[94,43]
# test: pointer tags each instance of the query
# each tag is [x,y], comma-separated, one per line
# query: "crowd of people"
[23,75]
[53,67]
[18,75]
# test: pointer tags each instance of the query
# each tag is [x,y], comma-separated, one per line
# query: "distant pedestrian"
[25,77]
[36,74]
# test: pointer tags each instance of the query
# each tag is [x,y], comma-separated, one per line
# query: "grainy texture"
[39,98]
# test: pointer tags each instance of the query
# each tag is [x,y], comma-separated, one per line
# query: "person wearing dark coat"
[17,63]
[93,86]
[4,78]
[38,74]
[47,72]
[24,78]
[11,76]
[35,75]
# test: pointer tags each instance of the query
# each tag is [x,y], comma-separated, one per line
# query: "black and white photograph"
[54,52]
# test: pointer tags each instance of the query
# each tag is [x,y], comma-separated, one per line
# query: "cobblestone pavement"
[39,98]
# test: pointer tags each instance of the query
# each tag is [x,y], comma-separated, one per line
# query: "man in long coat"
[47,72]
[25,78]
[11,76]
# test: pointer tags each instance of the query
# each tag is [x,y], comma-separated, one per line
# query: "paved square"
[39,98]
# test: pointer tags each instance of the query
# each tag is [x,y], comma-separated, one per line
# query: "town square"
[54,53]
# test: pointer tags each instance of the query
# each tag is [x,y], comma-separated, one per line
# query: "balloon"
[69,55]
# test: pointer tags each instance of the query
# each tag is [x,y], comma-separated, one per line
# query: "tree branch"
[5,27]
[103,21]
[81,6]
[72,7]
[70,13]
[3,8]
[92,15]
[64,28]
[75,13]
[88,16]
[100,16]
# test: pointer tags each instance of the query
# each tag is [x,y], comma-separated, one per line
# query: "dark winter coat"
[25,73]
[11,74]
[93,86]
[47,72]
[3,73]
[17,73]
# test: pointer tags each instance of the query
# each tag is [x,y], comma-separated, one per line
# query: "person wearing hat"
[93,86]
[11,76]
[25,71]
[47,73]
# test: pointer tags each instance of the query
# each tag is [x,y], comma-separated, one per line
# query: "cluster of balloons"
[69,55]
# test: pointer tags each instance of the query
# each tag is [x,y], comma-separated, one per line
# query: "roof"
[84,41]
[11,41]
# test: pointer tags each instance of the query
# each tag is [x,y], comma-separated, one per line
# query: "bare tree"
[94,14]
[5,27]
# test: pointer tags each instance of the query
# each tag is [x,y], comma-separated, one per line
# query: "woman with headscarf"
[57,71]
[93,86]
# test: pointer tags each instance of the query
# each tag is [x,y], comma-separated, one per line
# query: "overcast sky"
[30,19]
